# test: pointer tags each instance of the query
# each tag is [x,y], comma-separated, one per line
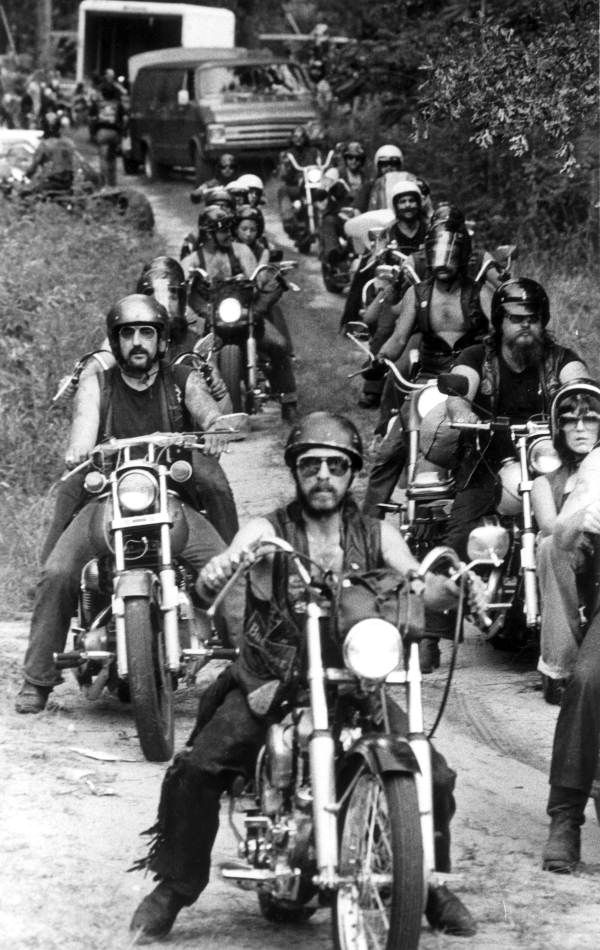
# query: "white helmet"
[388,152]
[250,181]
[406,187]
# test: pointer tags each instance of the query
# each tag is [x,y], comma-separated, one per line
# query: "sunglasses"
[391,162]
[311,465]
[522,317]
[571,422]
[128,333]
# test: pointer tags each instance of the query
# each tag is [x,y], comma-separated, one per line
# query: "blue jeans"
[57,590]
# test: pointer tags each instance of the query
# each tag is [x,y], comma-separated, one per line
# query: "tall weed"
[60,273]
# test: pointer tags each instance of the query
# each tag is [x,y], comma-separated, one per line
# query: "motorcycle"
[306,207]
[236,326]
[512,584]
[137,608]
[341,814]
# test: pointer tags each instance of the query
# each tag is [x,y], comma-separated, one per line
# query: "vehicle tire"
[232,370]
[152,169]
[150,682]
[278,913]
[130,166]
[202,170]
[380,834]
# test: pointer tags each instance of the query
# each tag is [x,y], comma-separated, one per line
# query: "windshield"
[245,81]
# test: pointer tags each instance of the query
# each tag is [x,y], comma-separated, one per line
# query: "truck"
[111,31]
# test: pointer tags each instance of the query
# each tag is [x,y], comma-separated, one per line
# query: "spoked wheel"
[381,849]
[150,682]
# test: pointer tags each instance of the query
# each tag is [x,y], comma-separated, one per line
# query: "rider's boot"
[563,848]
[446,912]
[32,698]
[156,913]
[429,654]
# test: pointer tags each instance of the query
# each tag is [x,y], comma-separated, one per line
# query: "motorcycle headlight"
[543,457]
[428,398]
[216,134]
[372,648]
[136,491]
[314,176]
[230,310]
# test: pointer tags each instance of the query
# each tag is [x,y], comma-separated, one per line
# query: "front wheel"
[381,850]
[231,367]
[150,682]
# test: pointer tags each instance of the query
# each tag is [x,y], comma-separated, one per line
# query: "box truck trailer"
[110,31]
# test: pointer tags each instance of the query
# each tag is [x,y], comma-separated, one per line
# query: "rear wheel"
[232,370]
[381,849]
[150,682]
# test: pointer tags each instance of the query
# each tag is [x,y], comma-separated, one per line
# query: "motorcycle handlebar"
[446,553]
[504,425]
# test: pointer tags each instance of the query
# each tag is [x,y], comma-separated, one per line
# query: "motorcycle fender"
[136,583]
[383,754]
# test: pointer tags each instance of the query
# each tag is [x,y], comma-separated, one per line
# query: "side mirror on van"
[183,97]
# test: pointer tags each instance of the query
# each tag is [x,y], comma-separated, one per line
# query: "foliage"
[59,272]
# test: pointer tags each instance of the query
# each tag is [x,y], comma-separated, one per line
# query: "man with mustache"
[514,374]
[136,397]
[323,452]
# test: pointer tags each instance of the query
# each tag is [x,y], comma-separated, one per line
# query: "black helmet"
[219,195]
[523,291]
[213,219]
[447,246]
[324,430]
[448,214]
[250,213]
[166,270]
[227,162]
[354,150]
[578,397]
[137,310]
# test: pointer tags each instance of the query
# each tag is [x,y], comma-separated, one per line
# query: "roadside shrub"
[60,273]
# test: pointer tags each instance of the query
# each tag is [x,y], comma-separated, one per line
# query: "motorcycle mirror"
[358,329]
[488,542]
[453,384]
[233,424]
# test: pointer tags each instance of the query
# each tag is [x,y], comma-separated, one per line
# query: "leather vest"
[436,353]
[489,387]
[172,380]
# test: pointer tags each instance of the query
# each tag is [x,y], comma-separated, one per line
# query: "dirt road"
[77,792]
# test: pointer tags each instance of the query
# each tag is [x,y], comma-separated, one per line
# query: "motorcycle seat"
[428,486]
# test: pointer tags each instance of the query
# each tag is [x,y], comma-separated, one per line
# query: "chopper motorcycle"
[307,206]
[136,607]
[342,811]
[236,325]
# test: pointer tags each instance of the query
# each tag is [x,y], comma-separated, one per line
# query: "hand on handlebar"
[214,443]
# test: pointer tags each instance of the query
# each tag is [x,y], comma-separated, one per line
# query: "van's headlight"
[230,310]
[373,648]
[216,134]
[543,457]
[136,491]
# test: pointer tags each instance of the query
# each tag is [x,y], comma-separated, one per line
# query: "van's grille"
[257,135]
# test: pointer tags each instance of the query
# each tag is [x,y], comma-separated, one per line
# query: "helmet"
[137,310]
[447,246]
[523,291]
[213,219]
[406,187]
[167,270]
[219,195]
[578,397]
[354,150]
[324,430]
[391,154]
[248,213]
[236,190]
[448,214]
[251,181]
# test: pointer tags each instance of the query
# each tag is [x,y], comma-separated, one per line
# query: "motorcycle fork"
[251,356]
[309,207]
[413,454]
[321,752]
[422,750]
[527,539]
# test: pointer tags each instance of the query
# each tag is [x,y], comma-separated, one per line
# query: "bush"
[60,274]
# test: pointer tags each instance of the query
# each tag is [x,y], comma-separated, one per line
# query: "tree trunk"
[44,26]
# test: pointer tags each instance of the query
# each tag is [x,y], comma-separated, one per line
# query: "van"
[188,106]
